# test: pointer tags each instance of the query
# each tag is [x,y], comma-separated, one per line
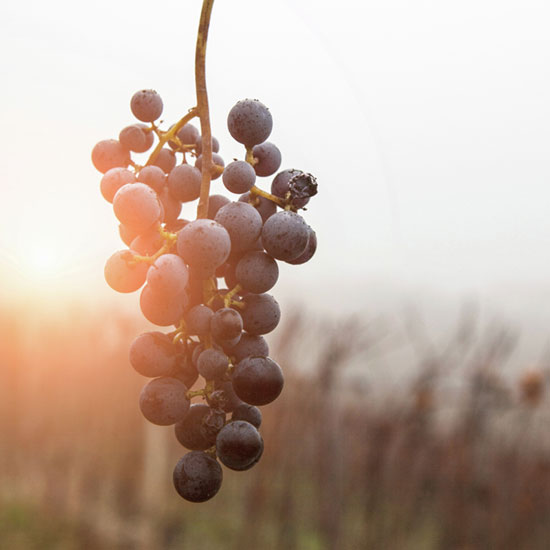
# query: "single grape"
[123,274]
[198,429]
[113,180]
[204,244]
[137,206]
[136,138]
[268,159]
[257,380]
[197,477]
[285,235]
[166,160]
[243,223]
[249,345]
[146,105]
[163,401]
[161,309]
[188,134]
[257,272]
[308,252]
[239,176]
[299,185]
[261,313]
[238,444]
[197,320]
[216,160]
[215,202]
[185,371]
[154,177]
[108,154]
[249,122]
[184,183]
[255,461]
[147,243]
[168,275]
[265,207]
[212,364]
[226,325]
[248,413]
[153,354]
[224,396]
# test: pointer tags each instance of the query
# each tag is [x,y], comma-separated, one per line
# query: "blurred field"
[350,462]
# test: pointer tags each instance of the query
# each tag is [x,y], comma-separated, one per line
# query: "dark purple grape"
[163,401]
[154,177]
[257,272]
[168,275]
[204,244]
[185,371]
[137,206]
[108,154]
[285,235]
[123,274]
[249,122]
[308,252]
[224,397]
[243,223]
[265,207]
[212,363]
[197,320]
[146,105]
[137,138]
[239,176]
[153,354]
[184,182]
[261,313]
[226,325]
[268,159]
[216,159]
[249,345]
[198,429]
[166,160]
[113,180]
[257,380]
[161,309]
[238,444]
[215,202]
[298,185]
[197,477]
[248,413]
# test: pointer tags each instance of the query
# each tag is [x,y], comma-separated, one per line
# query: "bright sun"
[42,261]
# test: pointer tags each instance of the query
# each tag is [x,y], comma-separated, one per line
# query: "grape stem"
[277,200]
[202,106]
[167,136]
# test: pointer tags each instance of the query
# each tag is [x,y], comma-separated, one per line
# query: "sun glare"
[42,262]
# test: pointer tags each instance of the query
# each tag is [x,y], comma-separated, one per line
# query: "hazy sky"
[427,124]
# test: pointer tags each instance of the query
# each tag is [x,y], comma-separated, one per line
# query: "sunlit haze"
[426,123]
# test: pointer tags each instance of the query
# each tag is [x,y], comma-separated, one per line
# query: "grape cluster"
[181,265]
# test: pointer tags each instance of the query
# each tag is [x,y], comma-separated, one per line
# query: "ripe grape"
[146,105]
[188,134]
[184,183]
[239,176]
[257,380]
[153,354]
[261,313]
[217,160]
[249,345]
[113,180]
[212,363]
[147,243]
[168,275]
[204,244]
[196,431]
[166,160]
[248,413]
[226,325]
[127,235]
[268,159]
[197,320]
[215,202]
[308,252]
[285,235]
[123,274]
[197,477]
[136,138]
[224,396]
[249,122]
[243,223]
[108,154]
[163,401]
[154,177]
[137,206]
[257,272]
[161,309]
[265,207]
[171,207]
[238,444]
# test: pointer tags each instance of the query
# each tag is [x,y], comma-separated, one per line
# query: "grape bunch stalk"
[180,266]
